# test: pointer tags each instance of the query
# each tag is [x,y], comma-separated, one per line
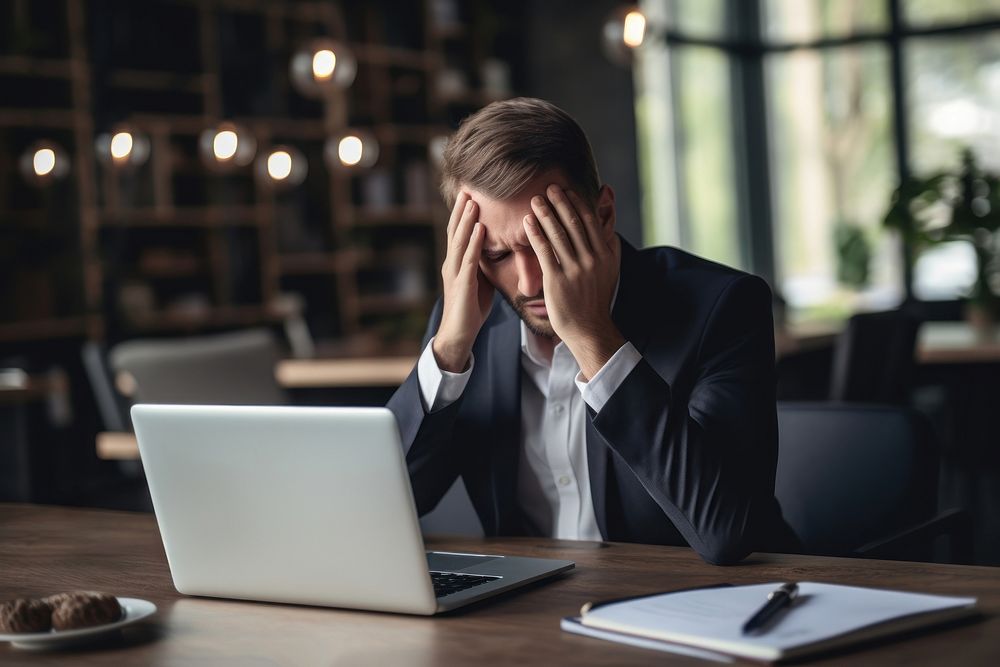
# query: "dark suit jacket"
[685,450]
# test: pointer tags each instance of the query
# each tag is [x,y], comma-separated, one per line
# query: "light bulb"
[353,149]
[224,144]
[350,150]
[323,63]
[121,145]
[321,67]
[44,161]
[634,29]
[124,147]
[623,33]
[279,165]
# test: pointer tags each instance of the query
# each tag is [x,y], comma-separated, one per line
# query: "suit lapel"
[504,367]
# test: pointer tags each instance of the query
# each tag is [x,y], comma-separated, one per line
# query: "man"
[584,389]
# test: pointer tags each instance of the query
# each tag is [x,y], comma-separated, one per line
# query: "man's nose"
[529,274]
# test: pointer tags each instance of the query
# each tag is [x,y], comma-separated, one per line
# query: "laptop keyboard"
[446,583]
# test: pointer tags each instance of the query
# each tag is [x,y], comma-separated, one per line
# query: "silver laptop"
[303,505]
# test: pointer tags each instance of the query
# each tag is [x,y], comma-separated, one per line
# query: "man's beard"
[539,328]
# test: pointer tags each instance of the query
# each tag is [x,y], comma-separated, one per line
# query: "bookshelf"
[173,246]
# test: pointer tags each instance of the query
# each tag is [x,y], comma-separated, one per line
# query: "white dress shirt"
[553,478]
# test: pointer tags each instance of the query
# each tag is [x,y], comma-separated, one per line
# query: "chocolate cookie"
[25,615]
[83,609]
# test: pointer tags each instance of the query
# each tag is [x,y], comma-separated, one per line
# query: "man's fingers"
[459,241]
[540,244]
[470,260]
[554,231]
[456,212]
[571,215]
[590,222]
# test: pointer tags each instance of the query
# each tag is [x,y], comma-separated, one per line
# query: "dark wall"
[566,66]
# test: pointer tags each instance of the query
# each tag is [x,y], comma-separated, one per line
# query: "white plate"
[133,609]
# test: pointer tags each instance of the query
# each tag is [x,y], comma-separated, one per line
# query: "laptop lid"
[285,504]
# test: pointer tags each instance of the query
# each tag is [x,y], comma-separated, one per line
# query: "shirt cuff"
[440,388]
[606,381]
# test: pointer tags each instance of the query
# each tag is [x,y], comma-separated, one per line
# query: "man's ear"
[605,209]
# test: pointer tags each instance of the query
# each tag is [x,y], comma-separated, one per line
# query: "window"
[953,100]
[686,163]
[852,94]
[833,171]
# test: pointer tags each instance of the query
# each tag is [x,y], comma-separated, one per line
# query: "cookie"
[25,615]
[83,609]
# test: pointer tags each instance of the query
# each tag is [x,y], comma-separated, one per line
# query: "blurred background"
[235,201]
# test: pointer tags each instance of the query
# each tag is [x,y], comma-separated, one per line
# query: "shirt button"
[557,409]
[564,480]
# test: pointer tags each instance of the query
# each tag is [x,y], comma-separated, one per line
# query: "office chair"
[861,480]
[112,407]
[873,358]
[229,369]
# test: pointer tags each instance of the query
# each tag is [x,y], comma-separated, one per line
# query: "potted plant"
[962,205]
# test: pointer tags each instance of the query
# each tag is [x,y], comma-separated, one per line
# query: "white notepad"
[824,617]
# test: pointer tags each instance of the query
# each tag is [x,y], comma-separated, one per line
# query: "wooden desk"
[45,549]
[937,342]
[329,373]
[957,343]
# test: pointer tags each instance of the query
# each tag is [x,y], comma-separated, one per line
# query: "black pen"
[778,600]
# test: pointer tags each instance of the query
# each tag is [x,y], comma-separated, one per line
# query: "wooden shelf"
[321,262]
[398,133]
[175,268]
[207,216]
[239,253]
[32,118]
[219,316]
[386,304]
[57,327]
[470,98]
[38,217]
[54,68]
[135,79]
[394,215]
[388,56]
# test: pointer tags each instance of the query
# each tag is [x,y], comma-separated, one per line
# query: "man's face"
[508,261]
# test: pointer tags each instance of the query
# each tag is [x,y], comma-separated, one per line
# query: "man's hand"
[579,272]
[468,296]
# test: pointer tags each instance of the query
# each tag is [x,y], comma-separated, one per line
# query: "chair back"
[226,369]
[873,359]
[111,405]
[851,474]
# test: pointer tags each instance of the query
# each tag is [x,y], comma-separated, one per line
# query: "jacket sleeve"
[708,460]
[433,461]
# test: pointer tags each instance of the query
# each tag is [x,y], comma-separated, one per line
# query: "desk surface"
[45,549]
[957,343]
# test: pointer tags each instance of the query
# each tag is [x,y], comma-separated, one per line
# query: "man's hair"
[499,149]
